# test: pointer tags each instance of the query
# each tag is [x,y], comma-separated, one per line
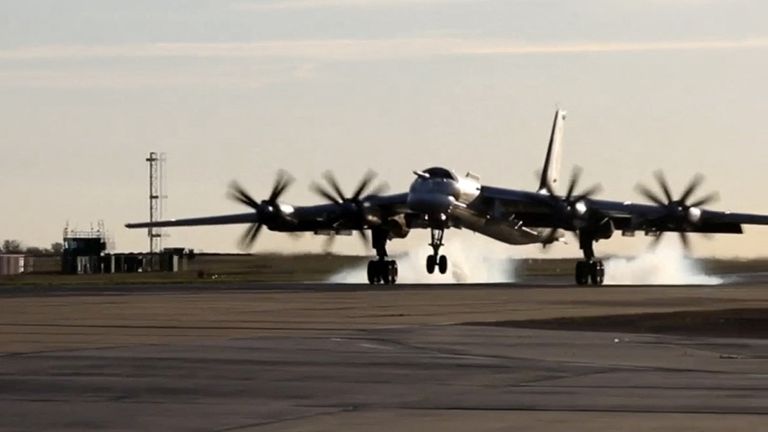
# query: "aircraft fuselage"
[444,200]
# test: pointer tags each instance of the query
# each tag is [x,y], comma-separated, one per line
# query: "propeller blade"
[685,240]
[282,182]
[589,193]
[650,195]
[709,199]
[378,190]
[275,188]
[287,182]
[238,193]
[316,188]
[575,176]
[364,183]
[550,237]
[250,235]
[328,243]
[364,238]
[244,237]
[657,240]
[692,186]
[331,179]
[664,185]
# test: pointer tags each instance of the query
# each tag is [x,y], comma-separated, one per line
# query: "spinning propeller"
[571,210]
[678,213]
[266,210]
[353,209]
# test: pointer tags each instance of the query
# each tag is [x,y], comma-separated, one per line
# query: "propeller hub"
[679,214]
[266,209]
[352,210]
[572,210]
[351,206]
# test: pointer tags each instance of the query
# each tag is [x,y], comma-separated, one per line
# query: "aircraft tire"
[582,273]
[597,272]
[384,274]
[392,271]
[442,264]
[372,272]
[431,263]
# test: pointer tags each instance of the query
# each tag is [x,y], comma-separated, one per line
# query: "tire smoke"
[470,260]
[666,265]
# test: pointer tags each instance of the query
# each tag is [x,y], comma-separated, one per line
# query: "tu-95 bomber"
[438,200]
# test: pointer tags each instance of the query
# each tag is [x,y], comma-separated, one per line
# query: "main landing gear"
[591,269]
[381,270]
[437,260]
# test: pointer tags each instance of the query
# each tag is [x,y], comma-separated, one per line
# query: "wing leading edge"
[241,218]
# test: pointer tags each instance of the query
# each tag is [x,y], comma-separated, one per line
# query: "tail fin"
[551,172]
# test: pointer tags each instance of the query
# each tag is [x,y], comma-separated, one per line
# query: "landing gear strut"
[591,269]
[381,270]
[436,260]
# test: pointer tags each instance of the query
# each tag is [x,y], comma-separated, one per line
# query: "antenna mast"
[156,199]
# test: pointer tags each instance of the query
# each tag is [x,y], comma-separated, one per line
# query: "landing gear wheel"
[372,272]
[431,263]
[392,272]
[582,272]
[442,264]
[383,272]
[597,272]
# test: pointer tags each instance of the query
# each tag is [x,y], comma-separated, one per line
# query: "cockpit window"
[437,172]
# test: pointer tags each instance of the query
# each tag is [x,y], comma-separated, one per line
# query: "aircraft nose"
[430,203]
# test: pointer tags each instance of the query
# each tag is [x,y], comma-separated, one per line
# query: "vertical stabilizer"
[551,172]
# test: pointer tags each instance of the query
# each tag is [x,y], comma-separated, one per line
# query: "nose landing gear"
[436,260]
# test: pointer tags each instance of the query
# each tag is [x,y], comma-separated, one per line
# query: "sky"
[237,89]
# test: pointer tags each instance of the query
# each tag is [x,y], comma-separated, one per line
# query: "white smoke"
[470,260]
[476,259]
[666,265]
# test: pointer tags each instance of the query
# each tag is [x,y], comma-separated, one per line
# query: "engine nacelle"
[397,227]
[604,230]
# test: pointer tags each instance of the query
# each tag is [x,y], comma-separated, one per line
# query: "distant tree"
[12,246]
[56,248]
[36,251]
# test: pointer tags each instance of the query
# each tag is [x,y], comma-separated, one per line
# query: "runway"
[326,358]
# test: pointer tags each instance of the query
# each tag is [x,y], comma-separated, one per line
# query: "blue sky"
[239,89]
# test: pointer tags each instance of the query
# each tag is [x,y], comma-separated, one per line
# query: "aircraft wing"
[536,210]
[300,218]
[240,218]
[335,216]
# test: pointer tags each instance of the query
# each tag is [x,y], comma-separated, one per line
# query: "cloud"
[361,49]
[155,77]
[322,4]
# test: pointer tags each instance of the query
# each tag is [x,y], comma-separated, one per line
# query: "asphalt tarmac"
[326,358]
